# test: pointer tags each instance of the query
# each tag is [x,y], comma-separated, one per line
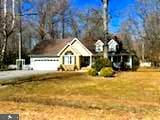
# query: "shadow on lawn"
[45,77]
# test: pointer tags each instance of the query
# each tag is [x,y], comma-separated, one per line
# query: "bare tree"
[47,11]
[126,35]
[145,27]
[8,17]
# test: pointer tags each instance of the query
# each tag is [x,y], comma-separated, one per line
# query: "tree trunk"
[5,40]
[3,50]
[63,27]
[4,31]
[105,25]
[13,14]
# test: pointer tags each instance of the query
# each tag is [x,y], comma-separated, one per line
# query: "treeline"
[142,26]
[43,20]
[58,19]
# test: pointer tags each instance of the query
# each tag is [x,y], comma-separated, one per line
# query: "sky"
[116,8]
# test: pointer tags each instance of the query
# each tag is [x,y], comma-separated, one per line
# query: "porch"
[121,61]
[72,62]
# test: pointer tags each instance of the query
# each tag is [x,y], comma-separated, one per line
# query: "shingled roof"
[50,47]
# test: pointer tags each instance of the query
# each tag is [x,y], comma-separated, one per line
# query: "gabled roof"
[80,48]
[56,47]
[112,41]
[99,42]
[50,47]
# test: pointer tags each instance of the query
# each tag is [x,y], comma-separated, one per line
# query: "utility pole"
[143,51]
[105,26]
[20,29]
[20,62]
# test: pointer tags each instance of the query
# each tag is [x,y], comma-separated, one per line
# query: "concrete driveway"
[9,75]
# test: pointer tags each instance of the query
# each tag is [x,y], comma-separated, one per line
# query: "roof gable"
[99,42]
[112,42]
[76,45]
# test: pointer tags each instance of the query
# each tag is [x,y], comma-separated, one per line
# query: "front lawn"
[77,96]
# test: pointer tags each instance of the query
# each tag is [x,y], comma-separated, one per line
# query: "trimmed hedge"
[106,72]
[92,72]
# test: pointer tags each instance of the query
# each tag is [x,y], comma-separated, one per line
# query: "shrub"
[92,72]
[61,68]
[101,63]
[106,72]
[75,67]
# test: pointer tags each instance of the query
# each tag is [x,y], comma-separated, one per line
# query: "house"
[73,53]
[120,57]
[68,52]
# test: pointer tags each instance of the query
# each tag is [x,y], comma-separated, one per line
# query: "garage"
[45,63]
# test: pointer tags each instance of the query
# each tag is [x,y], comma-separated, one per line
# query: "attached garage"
[45,63]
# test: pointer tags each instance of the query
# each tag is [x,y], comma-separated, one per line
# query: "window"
[99,48]
[69,58]
[46,59]
[113,45]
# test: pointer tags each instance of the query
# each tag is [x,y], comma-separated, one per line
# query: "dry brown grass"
[76,96]
[31,111]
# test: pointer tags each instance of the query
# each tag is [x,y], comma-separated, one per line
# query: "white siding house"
[67,52]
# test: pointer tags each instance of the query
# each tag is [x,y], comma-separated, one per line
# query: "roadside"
[12,75]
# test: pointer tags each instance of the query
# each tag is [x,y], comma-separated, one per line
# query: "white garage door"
[45,63]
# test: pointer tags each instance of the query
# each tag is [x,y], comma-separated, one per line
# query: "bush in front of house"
[106,72]
[75,68]
[101,63]
[61,68]
[92,72]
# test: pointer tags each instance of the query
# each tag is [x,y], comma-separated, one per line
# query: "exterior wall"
[81,48]
[145,64]
[77,62]
[99,45]
[112,46]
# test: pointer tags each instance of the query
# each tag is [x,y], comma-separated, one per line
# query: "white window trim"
[99,48]
[69,59]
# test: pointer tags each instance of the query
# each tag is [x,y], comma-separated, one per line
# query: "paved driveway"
[9,75]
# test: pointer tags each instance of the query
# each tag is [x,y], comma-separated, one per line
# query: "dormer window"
[99,46]
[112,46]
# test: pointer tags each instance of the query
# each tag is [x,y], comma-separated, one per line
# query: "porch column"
[121,58]
[78,61]
[111,58]
[130,61]
[90,61]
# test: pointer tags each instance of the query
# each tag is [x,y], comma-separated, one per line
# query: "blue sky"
[117,8]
